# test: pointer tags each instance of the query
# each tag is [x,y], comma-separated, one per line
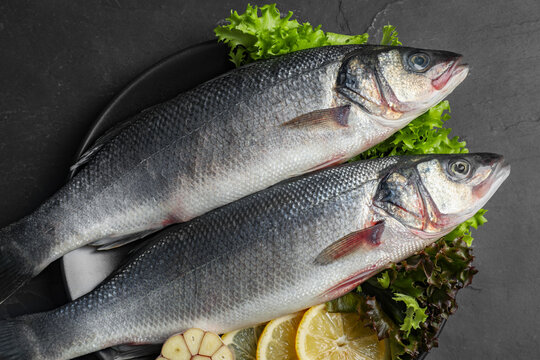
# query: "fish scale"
[221,141]
[254,224]
[255,259]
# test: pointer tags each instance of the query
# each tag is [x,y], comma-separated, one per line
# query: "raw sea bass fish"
[281,250]
[227,138]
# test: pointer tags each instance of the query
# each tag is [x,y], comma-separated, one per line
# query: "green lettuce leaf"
[464,229]
[414,315]
[424,135]
[432,278]
[390,36]
[261,32]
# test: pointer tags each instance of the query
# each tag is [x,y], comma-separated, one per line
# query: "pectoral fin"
[337,117]
[132,352]
[362,239]
[114,242]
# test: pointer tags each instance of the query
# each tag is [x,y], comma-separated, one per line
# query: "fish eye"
[419,61]
[459,169]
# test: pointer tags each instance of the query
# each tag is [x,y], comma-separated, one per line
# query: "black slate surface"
[62,61]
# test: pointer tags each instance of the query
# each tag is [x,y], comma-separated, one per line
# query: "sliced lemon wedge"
[337,336]
[277,339]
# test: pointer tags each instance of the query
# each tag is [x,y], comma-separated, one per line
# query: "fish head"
[431,195]
[395,84]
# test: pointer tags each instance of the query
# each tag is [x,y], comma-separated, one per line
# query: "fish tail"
[16,340]
[15,268]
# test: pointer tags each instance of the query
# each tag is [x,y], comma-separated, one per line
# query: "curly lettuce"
[261,32]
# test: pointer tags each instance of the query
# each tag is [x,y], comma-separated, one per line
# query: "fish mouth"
[455,72]
[503,171]
[455,69]
[500,171]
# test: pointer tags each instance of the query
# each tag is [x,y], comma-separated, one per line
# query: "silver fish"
[281,250]
[228,138]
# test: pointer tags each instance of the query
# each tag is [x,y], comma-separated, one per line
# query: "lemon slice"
[244,342]
[337,336]
[277,340]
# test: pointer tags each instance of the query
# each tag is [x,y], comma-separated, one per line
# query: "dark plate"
[85,268]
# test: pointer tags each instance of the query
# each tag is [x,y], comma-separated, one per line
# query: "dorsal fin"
[337,117]
[98,144]
[350,243]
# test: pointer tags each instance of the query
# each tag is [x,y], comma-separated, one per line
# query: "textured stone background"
[62,61]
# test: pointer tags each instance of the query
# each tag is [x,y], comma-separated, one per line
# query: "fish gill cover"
[409,301]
